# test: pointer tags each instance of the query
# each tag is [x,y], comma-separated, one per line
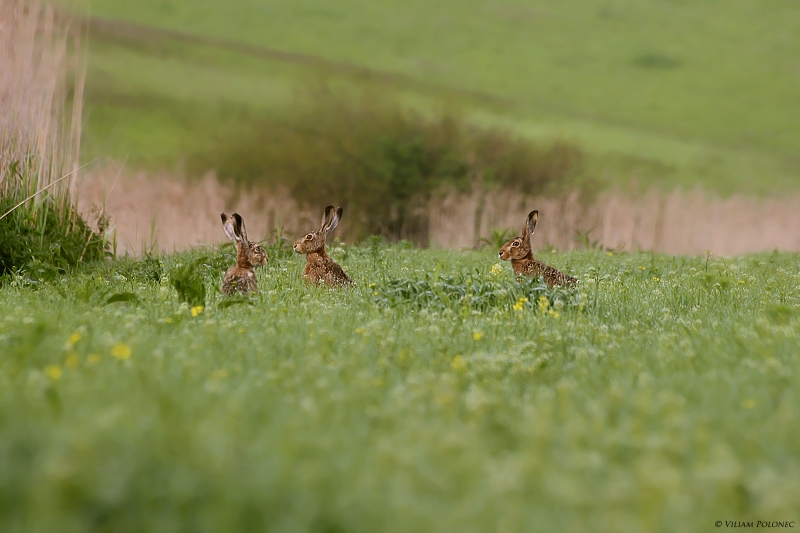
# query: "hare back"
[239,280]
[552,276]
[328,272]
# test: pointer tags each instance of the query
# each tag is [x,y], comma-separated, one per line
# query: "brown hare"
[518,250]
[240,278]
[320,268]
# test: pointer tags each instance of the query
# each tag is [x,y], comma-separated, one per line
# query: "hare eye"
[515,243]
[309,237]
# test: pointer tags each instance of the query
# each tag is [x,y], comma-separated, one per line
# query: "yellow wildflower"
[543,303]
[72,340]
[168,320]
[93,359]
[641,268]
[553,313]
[196,310]
[361,331]
[458,363]
[72,360]
[496,269]
[520,303]
[656,278]
[121,351]
[53,372]
[477,335]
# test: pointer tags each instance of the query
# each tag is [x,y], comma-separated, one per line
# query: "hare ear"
[334,220]
[533,217]
[239,226]
[327,217]
[228,225]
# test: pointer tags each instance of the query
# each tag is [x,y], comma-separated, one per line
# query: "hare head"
[248,254]
[315,241]
[520,247]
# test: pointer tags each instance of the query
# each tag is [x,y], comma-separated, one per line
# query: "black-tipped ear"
[533,217]
[238,225]
[326,218]
[335,217]
[228,226]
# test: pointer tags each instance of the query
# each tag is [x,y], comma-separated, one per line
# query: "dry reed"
[41,94]
[172,213]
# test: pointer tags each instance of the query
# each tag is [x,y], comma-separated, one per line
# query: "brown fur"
[519,251]
[320,268]
[241,278]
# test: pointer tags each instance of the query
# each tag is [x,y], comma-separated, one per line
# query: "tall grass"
[41,93]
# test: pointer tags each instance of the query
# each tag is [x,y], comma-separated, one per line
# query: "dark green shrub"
[45,239]
[382,162]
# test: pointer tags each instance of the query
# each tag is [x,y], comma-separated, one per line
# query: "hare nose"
[500,254]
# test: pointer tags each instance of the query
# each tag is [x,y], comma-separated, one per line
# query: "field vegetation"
[40,128]
[438,394]
[658,92]
[384,162]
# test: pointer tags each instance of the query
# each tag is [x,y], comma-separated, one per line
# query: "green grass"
[662,92]
[662,397]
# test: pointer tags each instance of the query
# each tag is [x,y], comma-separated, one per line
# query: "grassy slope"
[670,401]
[684,92]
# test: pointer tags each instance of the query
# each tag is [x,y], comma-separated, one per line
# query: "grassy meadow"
[666,93]
[438,394]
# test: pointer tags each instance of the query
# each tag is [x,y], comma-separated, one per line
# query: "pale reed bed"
[168,213]
[41,90]
[680,222]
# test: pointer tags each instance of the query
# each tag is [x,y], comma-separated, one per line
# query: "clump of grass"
[188,282]
[473,291]
[43,242]
[497,239]
[150,269]
[383,162]
[40,127]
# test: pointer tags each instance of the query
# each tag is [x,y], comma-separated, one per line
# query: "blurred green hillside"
[670,92]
